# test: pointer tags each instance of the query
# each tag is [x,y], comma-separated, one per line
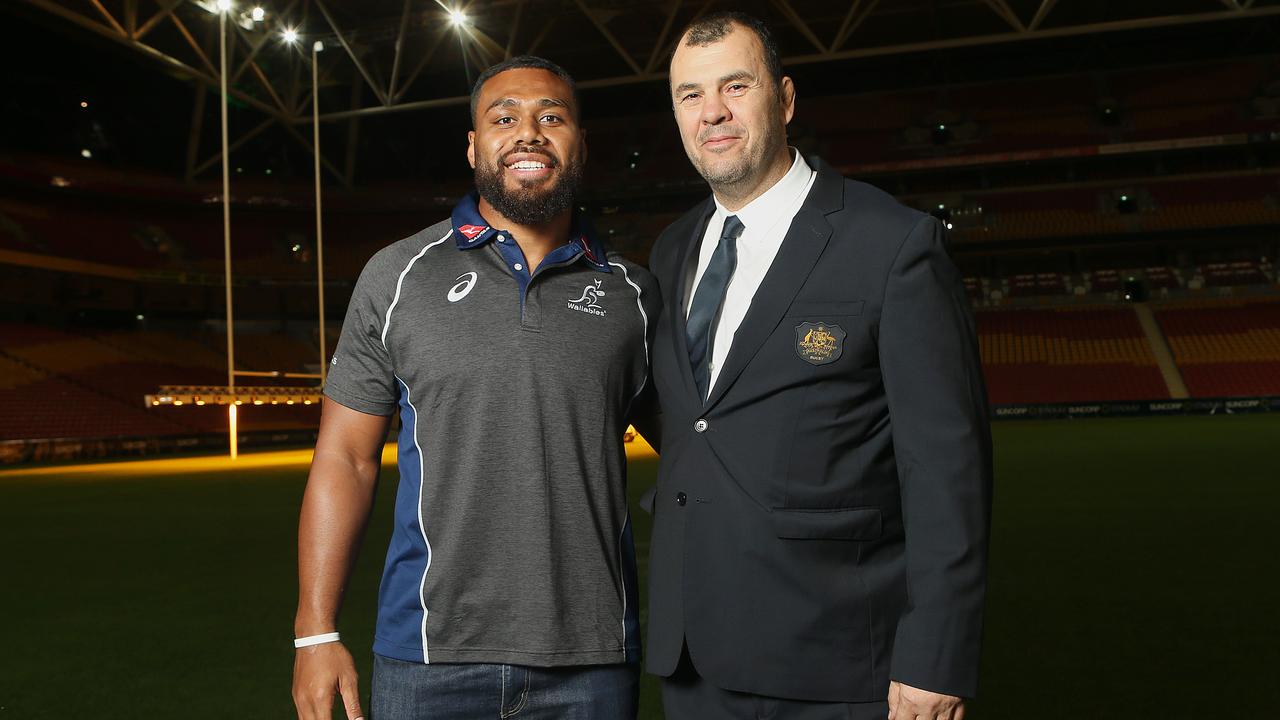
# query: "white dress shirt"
[765,221]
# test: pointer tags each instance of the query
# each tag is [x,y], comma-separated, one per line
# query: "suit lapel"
[691,231]
[803,245]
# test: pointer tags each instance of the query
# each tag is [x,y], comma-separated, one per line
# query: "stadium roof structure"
[405,55]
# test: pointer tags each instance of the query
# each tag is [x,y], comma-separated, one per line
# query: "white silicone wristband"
[310,640]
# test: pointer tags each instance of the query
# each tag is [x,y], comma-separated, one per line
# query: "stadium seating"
[1066,355]
[1225,347]
[1029,284]
[1161,277]
[1104,281]
[71,384]
[1233,273]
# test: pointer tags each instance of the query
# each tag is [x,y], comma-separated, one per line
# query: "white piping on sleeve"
[645,318]
[386,324]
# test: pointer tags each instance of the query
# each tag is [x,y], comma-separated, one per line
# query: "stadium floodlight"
[258,14]
[457,17]
[86,153]
[290,35]
[317,46]
[224,5]
[84,103]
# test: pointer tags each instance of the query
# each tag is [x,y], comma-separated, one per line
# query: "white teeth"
[527,165]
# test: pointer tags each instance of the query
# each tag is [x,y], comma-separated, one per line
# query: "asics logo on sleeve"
[466,281]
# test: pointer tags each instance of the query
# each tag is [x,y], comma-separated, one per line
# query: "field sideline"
[1133,576]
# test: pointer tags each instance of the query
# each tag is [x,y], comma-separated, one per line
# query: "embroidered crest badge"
[819,343]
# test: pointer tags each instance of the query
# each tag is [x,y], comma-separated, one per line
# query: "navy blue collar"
[471,231]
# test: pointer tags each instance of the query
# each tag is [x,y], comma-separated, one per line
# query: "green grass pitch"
[1133,575]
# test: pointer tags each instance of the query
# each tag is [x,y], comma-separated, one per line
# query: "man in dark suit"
[822,507]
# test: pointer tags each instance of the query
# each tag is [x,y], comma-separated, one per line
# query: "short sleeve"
[361,375]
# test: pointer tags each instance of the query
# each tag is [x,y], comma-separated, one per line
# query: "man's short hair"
[520,62]
[714,27]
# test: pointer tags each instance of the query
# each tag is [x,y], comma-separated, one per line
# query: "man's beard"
[529,205]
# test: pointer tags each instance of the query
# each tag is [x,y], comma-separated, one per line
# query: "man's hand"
[319,673]
[908,703]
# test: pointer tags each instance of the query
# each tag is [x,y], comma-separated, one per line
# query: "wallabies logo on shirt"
[590,300]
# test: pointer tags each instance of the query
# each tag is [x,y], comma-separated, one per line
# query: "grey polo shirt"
[512,540]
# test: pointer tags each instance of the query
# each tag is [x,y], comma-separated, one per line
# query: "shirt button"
[501,239]
[518,266]
[681,498]
[700,426]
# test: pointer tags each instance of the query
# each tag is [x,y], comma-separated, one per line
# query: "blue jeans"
[416,691]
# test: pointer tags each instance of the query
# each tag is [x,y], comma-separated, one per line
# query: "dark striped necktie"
[707,299]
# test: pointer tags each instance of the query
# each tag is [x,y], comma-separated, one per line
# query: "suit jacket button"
[681,498]
[700,426]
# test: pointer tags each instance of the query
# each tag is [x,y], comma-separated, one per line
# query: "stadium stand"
[66,384]
[42,402]
[1233,273]
[1161,277]
[1104,281]
[1027,284]
[1225,347]
[1066,355]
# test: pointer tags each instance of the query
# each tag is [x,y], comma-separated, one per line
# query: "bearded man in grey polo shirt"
[515,349]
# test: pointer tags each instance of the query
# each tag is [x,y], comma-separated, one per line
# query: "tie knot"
[733,227]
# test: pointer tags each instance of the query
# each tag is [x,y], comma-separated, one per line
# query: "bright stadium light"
[258,14]
[224,5]
[457,18]
[84,103]
[86,153]
[290,35]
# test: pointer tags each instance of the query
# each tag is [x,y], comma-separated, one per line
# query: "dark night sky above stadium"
[139,115]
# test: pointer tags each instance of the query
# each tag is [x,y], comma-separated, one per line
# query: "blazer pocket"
[825,309]
[861,523]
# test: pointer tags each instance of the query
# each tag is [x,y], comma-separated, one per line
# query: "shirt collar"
[761,212]
[471,231]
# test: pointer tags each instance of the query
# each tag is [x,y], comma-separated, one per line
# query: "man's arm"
[335,510]
[941,439]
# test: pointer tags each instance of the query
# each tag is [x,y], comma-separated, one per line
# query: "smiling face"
[527,149]
[731,114]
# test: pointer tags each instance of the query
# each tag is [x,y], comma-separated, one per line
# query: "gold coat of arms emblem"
[819,343]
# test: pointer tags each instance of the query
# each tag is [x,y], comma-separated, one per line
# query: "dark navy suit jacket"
[821,520]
